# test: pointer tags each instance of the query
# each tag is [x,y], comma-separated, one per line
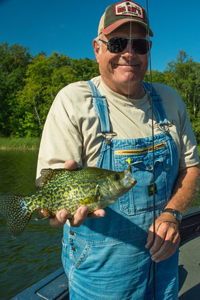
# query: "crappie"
[66,189]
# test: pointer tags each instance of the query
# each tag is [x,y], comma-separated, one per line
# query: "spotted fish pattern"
[66,189]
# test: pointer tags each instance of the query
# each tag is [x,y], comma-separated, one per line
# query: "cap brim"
[115,25]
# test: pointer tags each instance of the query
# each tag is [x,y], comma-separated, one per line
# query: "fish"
[93,187]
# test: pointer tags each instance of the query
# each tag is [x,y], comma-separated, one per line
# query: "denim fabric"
[106,258]
[157,108]
[101,108]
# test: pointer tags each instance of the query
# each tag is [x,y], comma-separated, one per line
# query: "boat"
[55,286]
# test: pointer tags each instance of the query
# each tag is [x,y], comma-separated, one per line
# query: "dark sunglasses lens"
[117,45]
[140,46]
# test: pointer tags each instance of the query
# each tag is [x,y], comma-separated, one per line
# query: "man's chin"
[130,79]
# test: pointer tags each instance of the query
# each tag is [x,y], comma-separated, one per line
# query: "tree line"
[29,84]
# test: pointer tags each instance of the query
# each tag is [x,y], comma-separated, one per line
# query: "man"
[111,257]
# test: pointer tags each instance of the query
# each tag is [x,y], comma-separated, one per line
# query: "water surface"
[37,252]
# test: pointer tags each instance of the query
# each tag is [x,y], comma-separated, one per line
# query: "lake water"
[37,252]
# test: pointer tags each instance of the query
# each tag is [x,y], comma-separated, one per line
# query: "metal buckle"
[164,128]
[109,136]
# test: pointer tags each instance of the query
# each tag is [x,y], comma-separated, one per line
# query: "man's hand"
[82,212]
[167,237]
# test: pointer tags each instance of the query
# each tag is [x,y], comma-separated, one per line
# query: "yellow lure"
[129,161]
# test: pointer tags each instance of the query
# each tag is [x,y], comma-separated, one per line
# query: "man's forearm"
[185,189]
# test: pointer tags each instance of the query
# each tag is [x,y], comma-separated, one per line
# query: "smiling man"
[123,71]
[106,122]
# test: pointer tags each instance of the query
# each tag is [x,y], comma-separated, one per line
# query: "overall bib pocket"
[140,198]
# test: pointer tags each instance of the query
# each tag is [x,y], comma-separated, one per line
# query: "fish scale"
[66,189]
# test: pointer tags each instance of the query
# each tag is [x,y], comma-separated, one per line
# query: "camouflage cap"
[120,13]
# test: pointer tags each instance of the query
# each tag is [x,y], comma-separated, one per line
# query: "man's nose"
[129,51]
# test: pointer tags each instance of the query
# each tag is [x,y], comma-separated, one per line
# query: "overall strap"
[101,108]
[157,104]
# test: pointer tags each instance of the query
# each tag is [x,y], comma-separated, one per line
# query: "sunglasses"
[118,44]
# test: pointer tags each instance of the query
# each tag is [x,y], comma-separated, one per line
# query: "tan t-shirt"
[72,128]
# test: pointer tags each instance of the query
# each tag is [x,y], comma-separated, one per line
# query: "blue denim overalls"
[106,258]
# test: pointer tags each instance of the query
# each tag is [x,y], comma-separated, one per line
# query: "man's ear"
[96,49]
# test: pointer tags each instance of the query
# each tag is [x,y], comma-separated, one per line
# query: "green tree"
[84,69]
[29,85]
[184,76]
[156,76]
[14,61]
[44,78]
[35,98]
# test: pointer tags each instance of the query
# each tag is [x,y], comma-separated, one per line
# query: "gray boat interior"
[189,258]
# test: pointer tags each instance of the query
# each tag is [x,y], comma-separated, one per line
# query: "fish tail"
[16,213]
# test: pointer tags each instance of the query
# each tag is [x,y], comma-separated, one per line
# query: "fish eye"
[116,176]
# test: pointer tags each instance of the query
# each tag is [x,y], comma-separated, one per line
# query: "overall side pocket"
[78,251]
[64,254]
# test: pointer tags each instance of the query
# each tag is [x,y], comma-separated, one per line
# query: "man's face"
[123,72]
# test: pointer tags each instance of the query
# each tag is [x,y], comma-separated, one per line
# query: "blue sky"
[69,27]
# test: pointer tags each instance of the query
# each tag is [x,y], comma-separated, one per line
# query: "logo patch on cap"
[128,8]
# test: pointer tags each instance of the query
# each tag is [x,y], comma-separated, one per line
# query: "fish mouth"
[128,181]
[119,187]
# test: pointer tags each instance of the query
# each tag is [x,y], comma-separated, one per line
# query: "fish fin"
[15,212]
[89,200]
[46,175]
[46,214]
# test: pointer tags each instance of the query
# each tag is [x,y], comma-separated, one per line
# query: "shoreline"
[7,143]
[20,148]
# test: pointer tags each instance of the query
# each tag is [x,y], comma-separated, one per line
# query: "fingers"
[79,218]
[97,214]
[150,238]
[166,242]
[81,215]
[70,164]
[60,219]
[166,251]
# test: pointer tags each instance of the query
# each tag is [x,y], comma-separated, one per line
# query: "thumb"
[71,164]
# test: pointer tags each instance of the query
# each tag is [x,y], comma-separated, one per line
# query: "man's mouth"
[127,65]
